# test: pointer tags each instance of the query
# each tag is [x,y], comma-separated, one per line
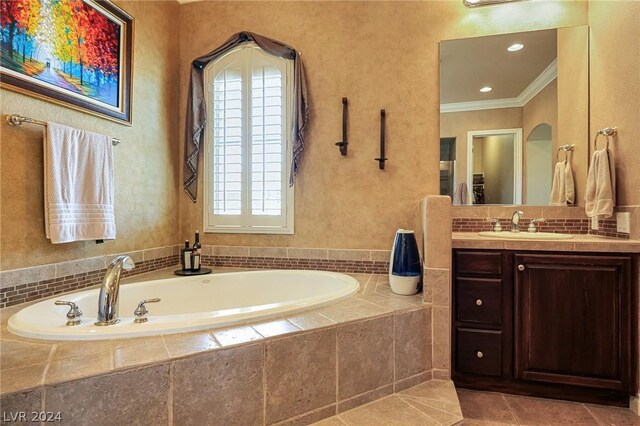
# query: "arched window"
[249,95]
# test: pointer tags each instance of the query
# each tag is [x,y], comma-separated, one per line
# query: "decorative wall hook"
[382,158]
[343,144]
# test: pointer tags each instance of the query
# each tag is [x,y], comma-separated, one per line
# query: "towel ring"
[595,141]
[566,149]
[566,154]
[607,132]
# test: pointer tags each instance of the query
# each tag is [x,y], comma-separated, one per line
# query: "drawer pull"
[479,354]
[520,267]
[479,302]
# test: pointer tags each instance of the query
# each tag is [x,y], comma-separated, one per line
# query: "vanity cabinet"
[547,324]
[482,319]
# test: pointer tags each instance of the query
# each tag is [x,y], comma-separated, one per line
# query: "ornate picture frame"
[77,53]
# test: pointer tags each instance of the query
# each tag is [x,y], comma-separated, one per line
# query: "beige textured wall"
[543,108]
[146,162]
[615,87]
[459,123]
[497,157]
[615,93]
[379,55]
[573,101]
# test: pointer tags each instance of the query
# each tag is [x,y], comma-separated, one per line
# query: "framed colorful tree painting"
[73,52]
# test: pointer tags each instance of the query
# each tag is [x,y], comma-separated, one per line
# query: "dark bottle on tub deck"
[185,256]
[196,254]
[196,241]
[195,259]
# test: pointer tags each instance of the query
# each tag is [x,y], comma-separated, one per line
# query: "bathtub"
[187,303]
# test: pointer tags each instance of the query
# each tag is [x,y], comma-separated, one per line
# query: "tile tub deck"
[301,368]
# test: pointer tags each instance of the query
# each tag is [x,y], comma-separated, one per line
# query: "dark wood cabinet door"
[572,319]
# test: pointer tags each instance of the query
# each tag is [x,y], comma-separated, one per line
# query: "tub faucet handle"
[74,314]
[141,311]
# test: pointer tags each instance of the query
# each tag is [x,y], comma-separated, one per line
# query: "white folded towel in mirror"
[460,196]
[563,189]
[600,196]
[78,185]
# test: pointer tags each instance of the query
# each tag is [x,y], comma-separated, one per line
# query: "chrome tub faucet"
[515,221]
[110,290]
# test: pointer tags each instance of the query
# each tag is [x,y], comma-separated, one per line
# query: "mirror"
[494,164]
[509,104]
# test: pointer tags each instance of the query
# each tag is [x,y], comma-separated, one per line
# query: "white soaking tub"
[187,303]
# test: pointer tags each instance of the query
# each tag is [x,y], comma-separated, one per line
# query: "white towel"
[460,195]
[78,185]
[600,196]
[563,189]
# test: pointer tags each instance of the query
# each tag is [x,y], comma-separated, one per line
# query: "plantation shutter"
[248,186]
[227,142]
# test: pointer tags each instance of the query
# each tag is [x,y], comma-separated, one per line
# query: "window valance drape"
[196,116]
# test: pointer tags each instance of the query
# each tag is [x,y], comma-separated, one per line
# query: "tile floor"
[486,408]
[430,403]
[417,406]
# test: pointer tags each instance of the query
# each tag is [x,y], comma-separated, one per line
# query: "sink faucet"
[110,290]
[515,221]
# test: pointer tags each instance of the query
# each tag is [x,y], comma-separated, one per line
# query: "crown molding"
[547,76]
[480,105]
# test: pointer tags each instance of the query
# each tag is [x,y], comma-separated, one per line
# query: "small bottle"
[196,243]
[195,259]
[185,257]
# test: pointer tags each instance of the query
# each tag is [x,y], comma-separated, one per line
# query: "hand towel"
[460,195]
[600,196]
[78,185]
[569,183]
[563,187]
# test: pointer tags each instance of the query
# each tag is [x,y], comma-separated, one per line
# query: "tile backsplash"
[358,261]
[29,284]
[569,220]
[569,226]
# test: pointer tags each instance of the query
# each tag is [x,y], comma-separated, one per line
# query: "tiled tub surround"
[39,282]
[298,369]
[30,284]
[335,260]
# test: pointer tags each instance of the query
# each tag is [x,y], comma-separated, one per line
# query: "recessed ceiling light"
[515,47]
[486,89]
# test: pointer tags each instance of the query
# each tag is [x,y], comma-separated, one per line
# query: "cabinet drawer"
[478,263]
[479,351]
[479,300]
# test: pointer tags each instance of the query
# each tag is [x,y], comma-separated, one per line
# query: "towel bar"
[17,120]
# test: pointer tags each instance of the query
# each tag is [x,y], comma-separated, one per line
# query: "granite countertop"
[30,363]
[579,243]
